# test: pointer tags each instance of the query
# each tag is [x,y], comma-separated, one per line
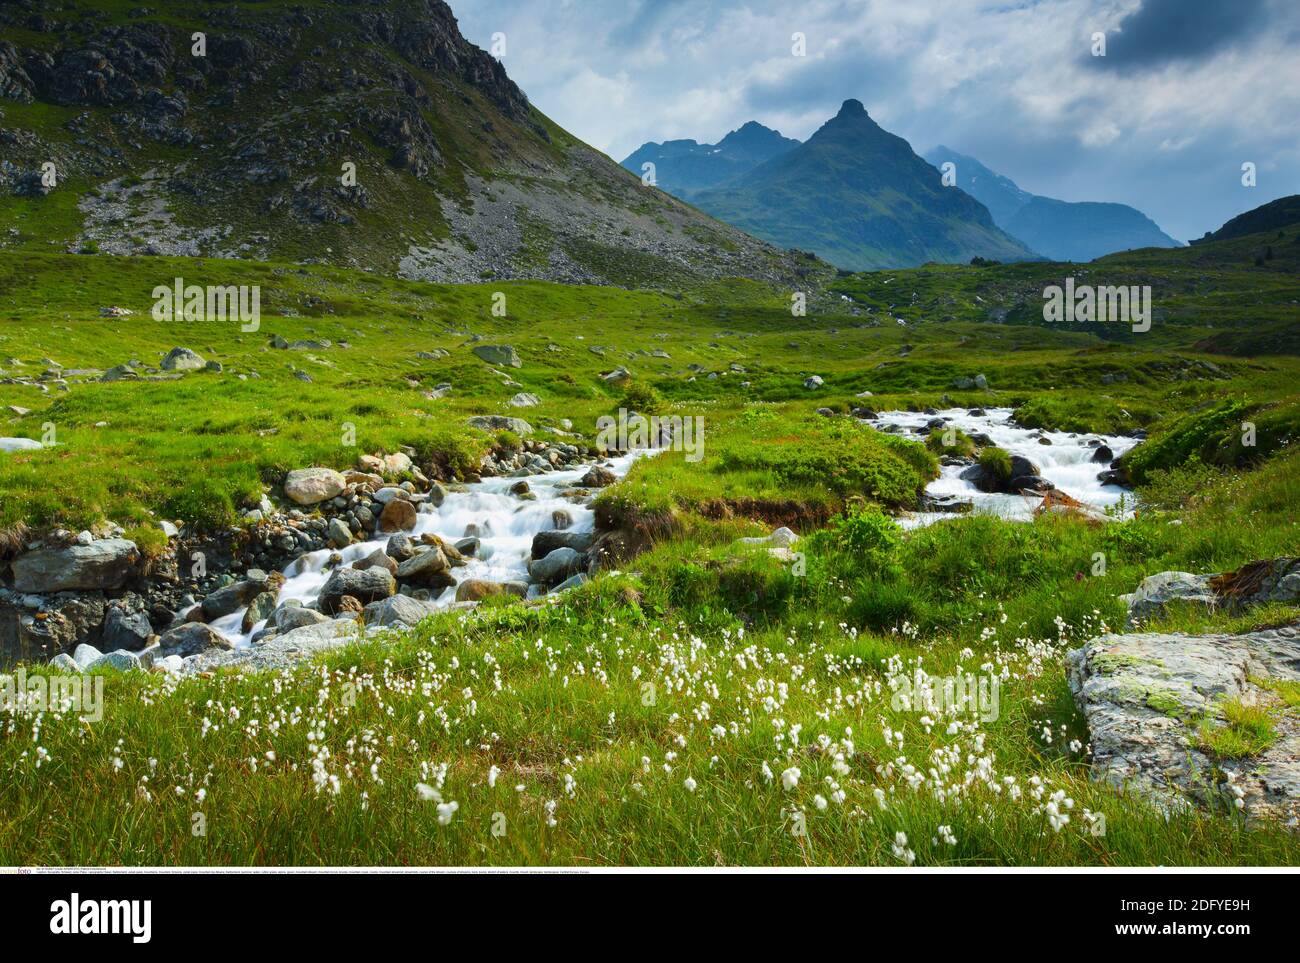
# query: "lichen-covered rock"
[1144,695]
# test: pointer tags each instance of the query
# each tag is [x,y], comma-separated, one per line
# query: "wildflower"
[446,811]
[690,784]
[900,848]
[819,801]
[790,778]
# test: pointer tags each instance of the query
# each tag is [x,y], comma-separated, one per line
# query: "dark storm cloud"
[1167,31]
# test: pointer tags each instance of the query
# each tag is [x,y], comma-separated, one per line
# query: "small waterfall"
[1066,462]
[504,524]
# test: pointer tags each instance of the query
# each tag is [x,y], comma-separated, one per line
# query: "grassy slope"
[545,693]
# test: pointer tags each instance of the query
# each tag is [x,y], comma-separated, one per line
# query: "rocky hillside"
[859,197]
[242,145]
[1060,230]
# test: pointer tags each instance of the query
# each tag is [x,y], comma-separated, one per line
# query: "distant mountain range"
[859,197]
[682,167]
[1060,230]
[854,194]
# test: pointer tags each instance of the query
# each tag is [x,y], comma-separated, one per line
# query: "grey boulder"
[103,564]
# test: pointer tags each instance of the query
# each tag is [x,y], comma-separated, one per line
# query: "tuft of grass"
[1246,730]
[997,461]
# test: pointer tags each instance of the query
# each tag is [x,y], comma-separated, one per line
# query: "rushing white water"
[505,526]
[1066,463]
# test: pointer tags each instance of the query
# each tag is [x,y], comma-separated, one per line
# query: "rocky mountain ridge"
[361,134]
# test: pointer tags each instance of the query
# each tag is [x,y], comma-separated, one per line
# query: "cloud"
[1160,32]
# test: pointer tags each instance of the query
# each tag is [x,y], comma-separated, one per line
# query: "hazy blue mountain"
[859,197]
[685,166]
[1060,230]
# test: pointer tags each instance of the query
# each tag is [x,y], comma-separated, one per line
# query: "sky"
[1188,91]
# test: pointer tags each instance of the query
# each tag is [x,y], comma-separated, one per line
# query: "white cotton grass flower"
[820,801]
[790,778]
[446,811]
[493,773]
[900,848]
[690,784]
[427,793]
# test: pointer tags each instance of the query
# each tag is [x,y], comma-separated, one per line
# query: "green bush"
[642,398]
[867,537]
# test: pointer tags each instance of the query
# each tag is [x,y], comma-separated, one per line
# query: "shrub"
[642,398]
[867,536]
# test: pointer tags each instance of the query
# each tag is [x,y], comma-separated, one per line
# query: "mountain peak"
[852,108]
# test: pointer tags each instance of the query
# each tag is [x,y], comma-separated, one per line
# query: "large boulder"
[1255,583]
[499,354]
[398,515]
[192,638]
[290,617]
[546,542]
[397,610]
[428,567]
[364,585]
[377,559]
[259,609]
[310,486]
[233,597]
[125,630]
[501,423]
[558,565]
[103,564]
[597,477]
[1148,699]
[182,359]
